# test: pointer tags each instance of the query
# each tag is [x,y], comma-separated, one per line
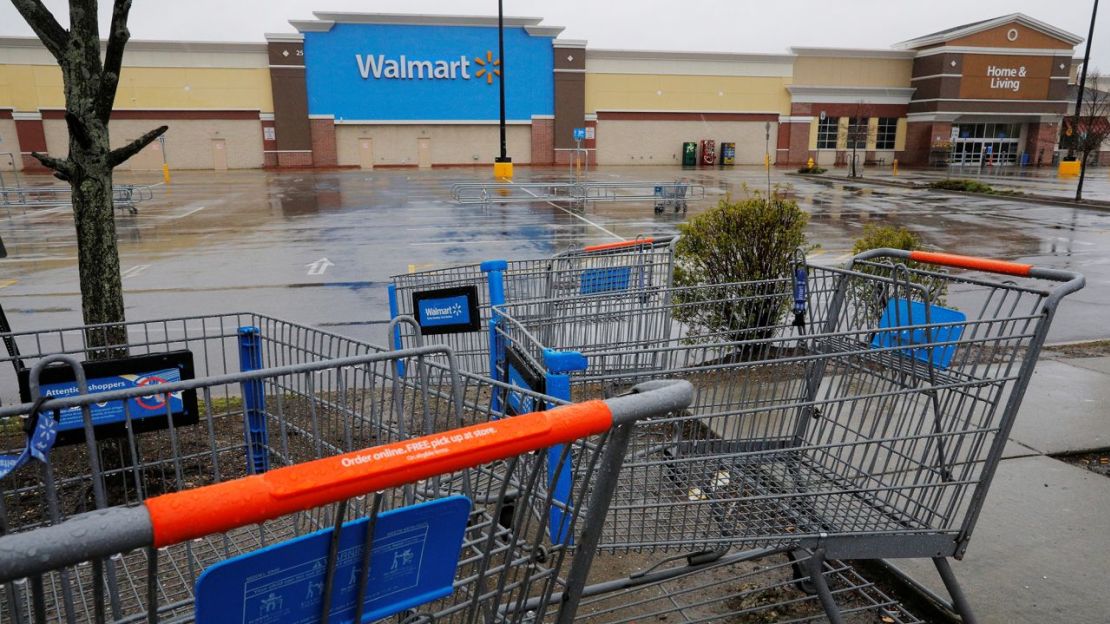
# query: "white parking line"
[135,270]
[182,216]
[578,216]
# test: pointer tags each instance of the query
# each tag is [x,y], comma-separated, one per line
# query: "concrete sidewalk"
[1041,549]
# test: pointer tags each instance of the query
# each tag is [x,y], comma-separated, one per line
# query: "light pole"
[502,165]
[1082,85]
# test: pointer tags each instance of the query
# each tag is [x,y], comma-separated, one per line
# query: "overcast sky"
[709,25]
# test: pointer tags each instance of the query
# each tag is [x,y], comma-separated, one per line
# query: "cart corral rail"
[124,196]
[576,192]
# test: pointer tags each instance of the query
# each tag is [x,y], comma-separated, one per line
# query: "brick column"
[1040,142]
[32,138]
[324,152]
[793,145]
[269,140]
[543,140]
[293,143]
[570,95]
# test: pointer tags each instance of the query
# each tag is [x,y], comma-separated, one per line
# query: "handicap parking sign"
[579,134]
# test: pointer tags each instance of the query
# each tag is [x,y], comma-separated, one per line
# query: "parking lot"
[319,247]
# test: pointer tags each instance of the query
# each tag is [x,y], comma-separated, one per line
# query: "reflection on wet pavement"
[318,247]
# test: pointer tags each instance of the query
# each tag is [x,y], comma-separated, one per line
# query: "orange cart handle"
[190,514]
[972,262]
[975,263]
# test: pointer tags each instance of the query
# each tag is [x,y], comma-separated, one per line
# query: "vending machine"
[708,152]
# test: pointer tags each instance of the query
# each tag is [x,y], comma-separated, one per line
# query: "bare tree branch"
[120,155]
[118,36]
[59,165]
[42,21]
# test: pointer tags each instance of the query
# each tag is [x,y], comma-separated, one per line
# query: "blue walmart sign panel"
[397,72]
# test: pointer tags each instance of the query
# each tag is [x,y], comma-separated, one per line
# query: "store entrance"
[986,144]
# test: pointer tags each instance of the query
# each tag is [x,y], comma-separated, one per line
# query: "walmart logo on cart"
[402,68]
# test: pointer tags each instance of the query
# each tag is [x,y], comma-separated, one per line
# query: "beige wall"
[188,142]
[33,87]
[622,142]
[451,144]
[668,92]
[816,71]
[9,143]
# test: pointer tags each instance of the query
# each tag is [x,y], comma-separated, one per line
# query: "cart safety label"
[520,373]
[447,310]
[594,281]
[146,412]
[903,313]
[412,561]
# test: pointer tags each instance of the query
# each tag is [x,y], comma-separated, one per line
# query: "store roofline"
[667,55]
[877,53]
[977,27]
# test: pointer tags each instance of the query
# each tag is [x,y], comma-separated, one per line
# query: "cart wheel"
[658,209]
[802,582]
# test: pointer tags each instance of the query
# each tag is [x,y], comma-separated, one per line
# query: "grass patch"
[967,186]
[813,169]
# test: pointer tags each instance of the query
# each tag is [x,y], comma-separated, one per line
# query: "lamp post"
[1082,84]
[502,165]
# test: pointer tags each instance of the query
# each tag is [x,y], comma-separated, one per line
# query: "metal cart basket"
[870,427]
[597,269]
[89,541]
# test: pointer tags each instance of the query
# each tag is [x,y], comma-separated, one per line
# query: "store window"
[884,135]
[826,132]
[857,132]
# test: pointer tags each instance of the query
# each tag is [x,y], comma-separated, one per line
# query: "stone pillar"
[793,141]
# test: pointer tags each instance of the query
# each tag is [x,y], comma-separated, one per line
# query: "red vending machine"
[708,152]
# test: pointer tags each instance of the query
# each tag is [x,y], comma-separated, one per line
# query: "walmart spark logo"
[487,67]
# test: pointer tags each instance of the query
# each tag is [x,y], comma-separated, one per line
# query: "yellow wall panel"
[900,135]
[815,71]
[663,92]
[33,87]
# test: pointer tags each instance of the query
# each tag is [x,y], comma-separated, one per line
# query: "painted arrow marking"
[318,267]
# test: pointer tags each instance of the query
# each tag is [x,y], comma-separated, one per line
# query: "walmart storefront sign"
[387,72]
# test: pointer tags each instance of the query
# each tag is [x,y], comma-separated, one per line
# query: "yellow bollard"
[503,170]
[896,166]
[165,173]
[810,164]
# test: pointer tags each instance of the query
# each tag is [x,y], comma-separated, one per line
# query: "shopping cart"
[870,429]
[457,517]
[671,196]
[597,269]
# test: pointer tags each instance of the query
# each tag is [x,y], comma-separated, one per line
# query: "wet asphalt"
[319,247]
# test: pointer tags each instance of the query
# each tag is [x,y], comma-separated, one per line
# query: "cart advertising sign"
[447,310]
[110,417]
[413,556]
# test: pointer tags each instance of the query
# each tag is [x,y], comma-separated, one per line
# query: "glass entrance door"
[986,144]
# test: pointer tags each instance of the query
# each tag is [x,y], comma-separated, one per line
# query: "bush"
[888,236]
[969,186]
[750,240]
[813,169]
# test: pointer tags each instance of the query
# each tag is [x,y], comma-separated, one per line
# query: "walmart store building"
[374,90]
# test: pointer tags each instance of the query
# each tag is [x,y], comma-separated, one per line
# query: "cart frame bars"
[177,517]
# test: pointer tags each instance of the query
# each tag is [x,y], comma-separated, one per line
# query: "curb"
[1026,197]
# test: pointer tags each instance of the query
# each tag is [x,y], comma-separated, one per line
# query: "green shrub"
[878,236]
[749,240]
[813,169]
[969,186]
[890,237]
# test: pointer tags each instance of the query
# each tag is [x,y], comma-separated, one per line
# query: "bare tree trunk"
[98,262]
[90,89]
